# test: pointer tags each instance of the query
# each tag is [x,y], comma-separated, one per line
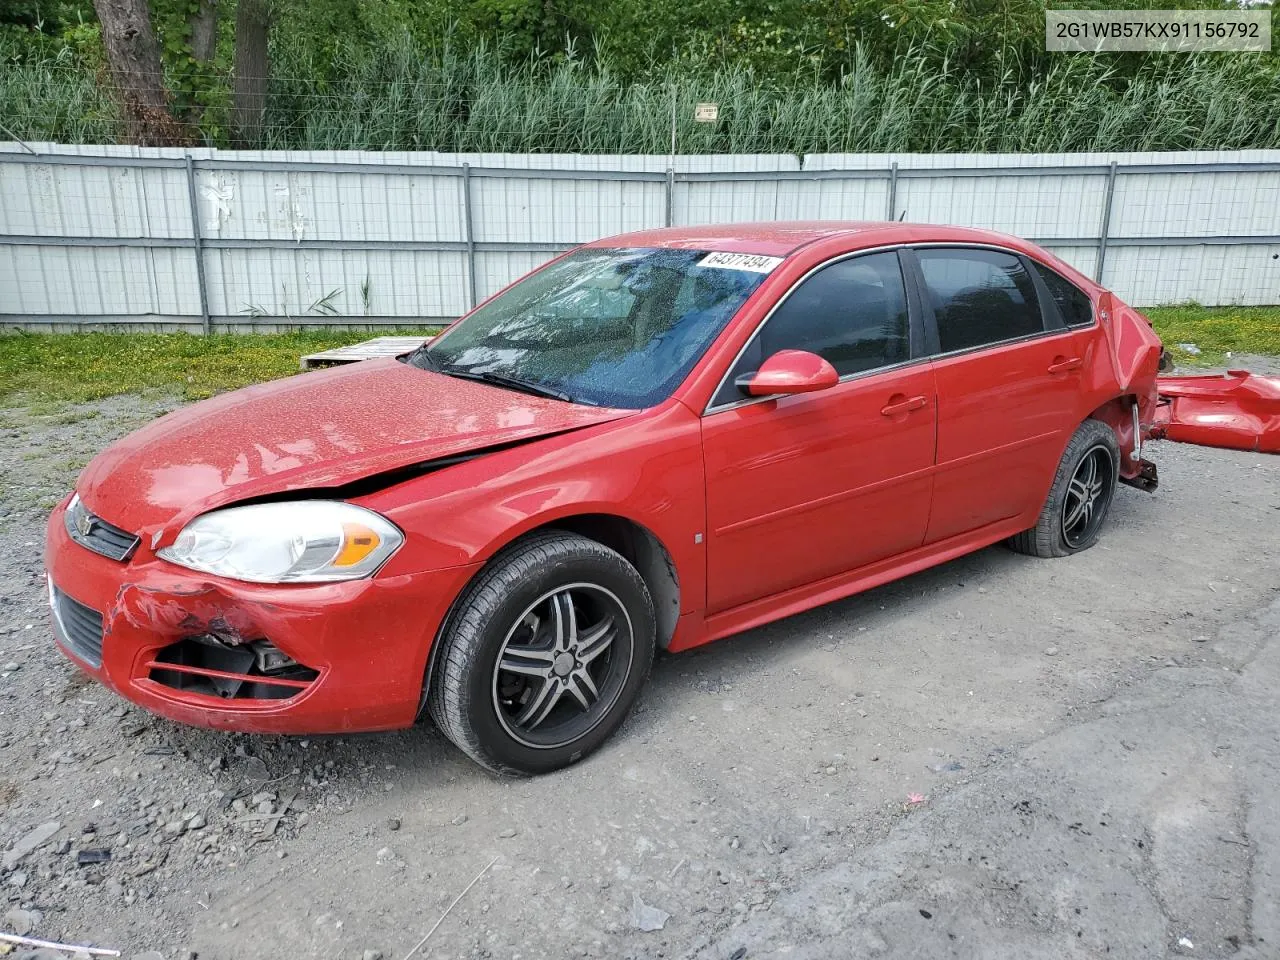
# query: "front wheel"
[544,655]
[1080,498]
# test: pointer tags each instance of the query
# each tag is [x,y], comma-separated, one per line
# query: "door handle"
[899,404]
[1064,364]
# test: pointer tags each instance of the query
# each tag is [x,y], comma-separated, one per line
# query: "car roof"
[780,238]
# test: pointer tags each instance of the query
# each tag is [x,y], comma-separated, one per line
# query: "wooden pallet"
[366,350]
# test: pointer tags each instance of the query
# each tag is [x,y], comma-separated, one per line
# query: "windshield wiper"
[529,386]
[502,380]
[423,358]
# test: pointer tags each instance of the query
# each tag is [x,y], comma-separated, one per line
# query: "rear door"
[1008,375]
[804,487]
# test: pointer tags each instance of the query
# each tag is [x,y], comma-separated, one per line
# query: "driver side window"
[852,313]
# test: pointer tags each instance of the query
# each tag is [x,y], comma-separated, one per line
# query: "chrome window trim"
[1025,338]
[712,407]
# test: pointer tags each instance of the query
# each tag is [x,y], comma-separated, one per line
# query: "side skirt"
[799,599]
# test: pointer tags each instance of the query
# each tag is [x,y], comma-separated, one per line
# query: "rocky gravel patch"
[762,798]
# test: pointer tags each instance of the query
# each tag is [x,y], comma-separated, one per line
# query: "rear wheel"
[1080,498]
[544,656]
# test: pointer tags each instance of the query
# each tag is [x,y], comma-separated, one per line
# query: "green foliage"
[200,91]
[792,76]
[405,96]
[49,91]
[1217,331]
[49,17]
[76,367]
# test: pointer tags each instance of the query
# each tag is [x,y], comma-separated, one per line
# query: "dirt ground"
[1097,742]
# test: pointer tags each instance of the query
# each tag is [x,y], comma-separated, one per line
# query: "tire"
[1064,526]
[574,623]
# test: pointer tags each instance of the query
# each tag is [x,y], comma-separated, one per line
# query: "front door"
[804,487]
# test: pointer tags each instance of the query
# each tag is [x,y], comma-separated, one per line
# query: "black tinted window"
[979,297]
[1073,303]
[853,314]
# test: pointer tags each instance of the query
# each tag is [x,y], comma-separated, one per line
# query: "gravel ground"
[1097,742]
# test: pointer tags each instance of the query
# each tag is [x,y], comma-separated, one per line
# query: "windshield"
[607,327]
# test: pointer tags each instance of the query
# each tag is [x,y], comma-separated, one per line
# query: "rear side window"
[852,313]
[1072,302]
[979,297]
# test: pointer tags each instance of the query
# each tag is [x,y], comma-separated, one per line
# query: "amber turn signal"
[358,541]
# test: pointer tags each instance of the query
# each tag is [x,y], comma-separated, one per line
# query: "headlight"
[306,541]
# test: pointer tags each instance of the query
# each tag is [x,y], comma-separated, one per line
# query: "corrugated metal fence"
[211,239]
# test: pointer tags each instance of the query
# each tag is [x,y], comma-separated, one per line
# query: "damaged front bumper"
[313,658]
[1237,410]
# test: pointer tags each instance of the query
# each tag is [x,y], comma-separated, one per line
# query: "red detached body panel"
[1238,410]
[759,510]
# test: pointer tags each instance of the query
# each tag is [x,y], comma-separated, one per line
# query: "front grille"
[96,534]
[77,626]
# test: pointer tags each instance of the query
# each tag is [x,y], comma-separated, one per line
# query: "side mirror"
[789,371]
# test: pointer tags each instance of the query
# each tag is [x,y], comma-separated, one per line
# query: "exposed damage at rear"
[1135,366]
[1237,410]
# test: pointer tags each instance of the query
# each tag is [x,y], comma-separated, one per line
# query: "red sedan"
[652,442]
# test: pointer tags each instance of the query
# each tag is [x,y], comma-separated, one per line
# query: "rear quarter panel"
[1122,360]
[1123,372]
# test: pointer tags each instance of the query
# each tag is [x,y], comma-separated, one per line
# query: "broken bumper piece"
[1237,410]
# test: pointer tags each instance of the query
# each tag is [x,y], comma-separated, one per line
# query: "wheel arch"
[639,545]
[643,550]
[1117,413]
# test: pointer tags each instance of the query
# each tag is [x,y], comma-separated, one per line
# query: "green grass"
[42,371]
[1217,331]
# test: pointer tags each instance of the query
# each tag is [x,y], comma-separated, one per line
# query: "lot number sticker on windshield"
[740,261]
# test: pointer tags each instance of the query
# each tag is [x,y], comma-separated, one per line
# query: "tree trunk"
[203,24]
[133,57]
[249,87]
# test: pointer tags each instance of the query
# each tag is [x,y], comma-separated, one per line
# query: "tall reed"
[403,96]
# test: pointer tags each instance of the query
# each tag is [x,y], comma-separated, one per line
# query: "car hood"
[320,429]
